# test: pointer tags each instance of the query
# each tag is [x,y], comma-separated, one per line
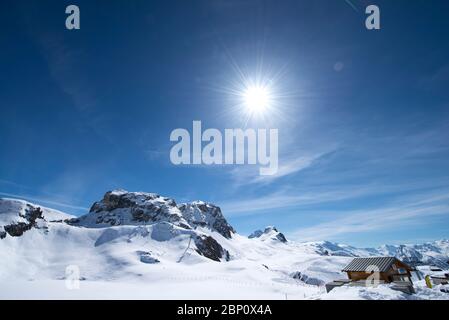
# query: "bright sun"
[257,99]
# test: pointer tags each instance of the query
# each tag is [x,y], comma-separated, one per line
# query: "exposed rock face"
[145,257]
[167,219]
[17,229]
[210,248]
[200,213]
[256,234]
[19,216]
[120,207]
[280,236]
[269,233]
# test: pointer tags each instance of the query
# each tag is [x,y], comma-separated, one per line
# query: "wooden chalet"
[390,269]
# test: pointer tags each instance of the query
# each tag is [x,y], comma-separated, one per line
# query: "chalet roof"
[362,264]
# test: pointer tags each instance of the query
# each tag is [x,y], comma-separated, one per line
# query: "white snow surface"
[13,210]
[159,260]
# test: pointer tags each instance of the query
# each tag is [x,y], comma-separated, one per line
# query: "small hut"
[390,269]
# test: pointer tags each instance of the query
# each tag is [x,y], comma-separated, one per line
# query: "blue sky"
[363,115]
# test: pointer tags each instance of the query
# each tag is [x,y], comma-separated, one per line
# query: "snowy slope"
[14,210]
[143,245]
[18,216]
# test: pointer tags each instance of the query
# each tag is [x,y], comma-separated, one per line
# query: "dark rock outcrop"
[145,257]
[33,213]
[120,207]
[204,214]
[210,248]
[307,279]
[280,236]
[19,228]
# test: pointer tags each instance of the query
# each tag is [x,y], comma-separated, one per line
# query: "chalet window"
[402,278]
[402,271]
[435,269]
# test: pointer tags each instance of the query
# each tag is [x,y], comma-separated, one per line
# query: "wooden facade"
[392,271]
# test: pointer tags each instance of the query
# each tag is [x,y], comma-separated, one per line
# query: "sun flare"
[257,99]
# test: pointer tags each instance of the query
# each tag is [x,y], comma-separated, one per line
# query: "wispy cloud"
[46,197]
[349,2]
[402,214]
[42,200]
[290,165]
[65,66]
[417,192]
[10,183]
[286,198]
[280,200]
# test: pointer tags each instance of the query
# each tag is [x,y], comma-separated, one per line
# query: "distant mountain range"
[431,253]
[137,235]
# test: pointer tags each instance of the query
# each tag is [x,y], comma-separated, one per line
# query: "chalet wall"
[385,276]
[357,275]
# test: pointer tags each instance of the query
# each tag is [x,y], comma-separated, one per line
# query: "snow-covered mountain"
[432,253]
[17,217]
[143,245]
[120,207]
[269,233]
[166,219]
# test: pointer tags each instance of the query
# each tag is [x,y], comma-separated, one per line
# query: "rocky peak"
[121,199]
[199,213]
[269,232]
[120,207]
[17,217]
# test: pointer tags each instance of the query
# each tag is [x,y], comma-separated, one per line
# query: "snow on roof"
[363,264]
